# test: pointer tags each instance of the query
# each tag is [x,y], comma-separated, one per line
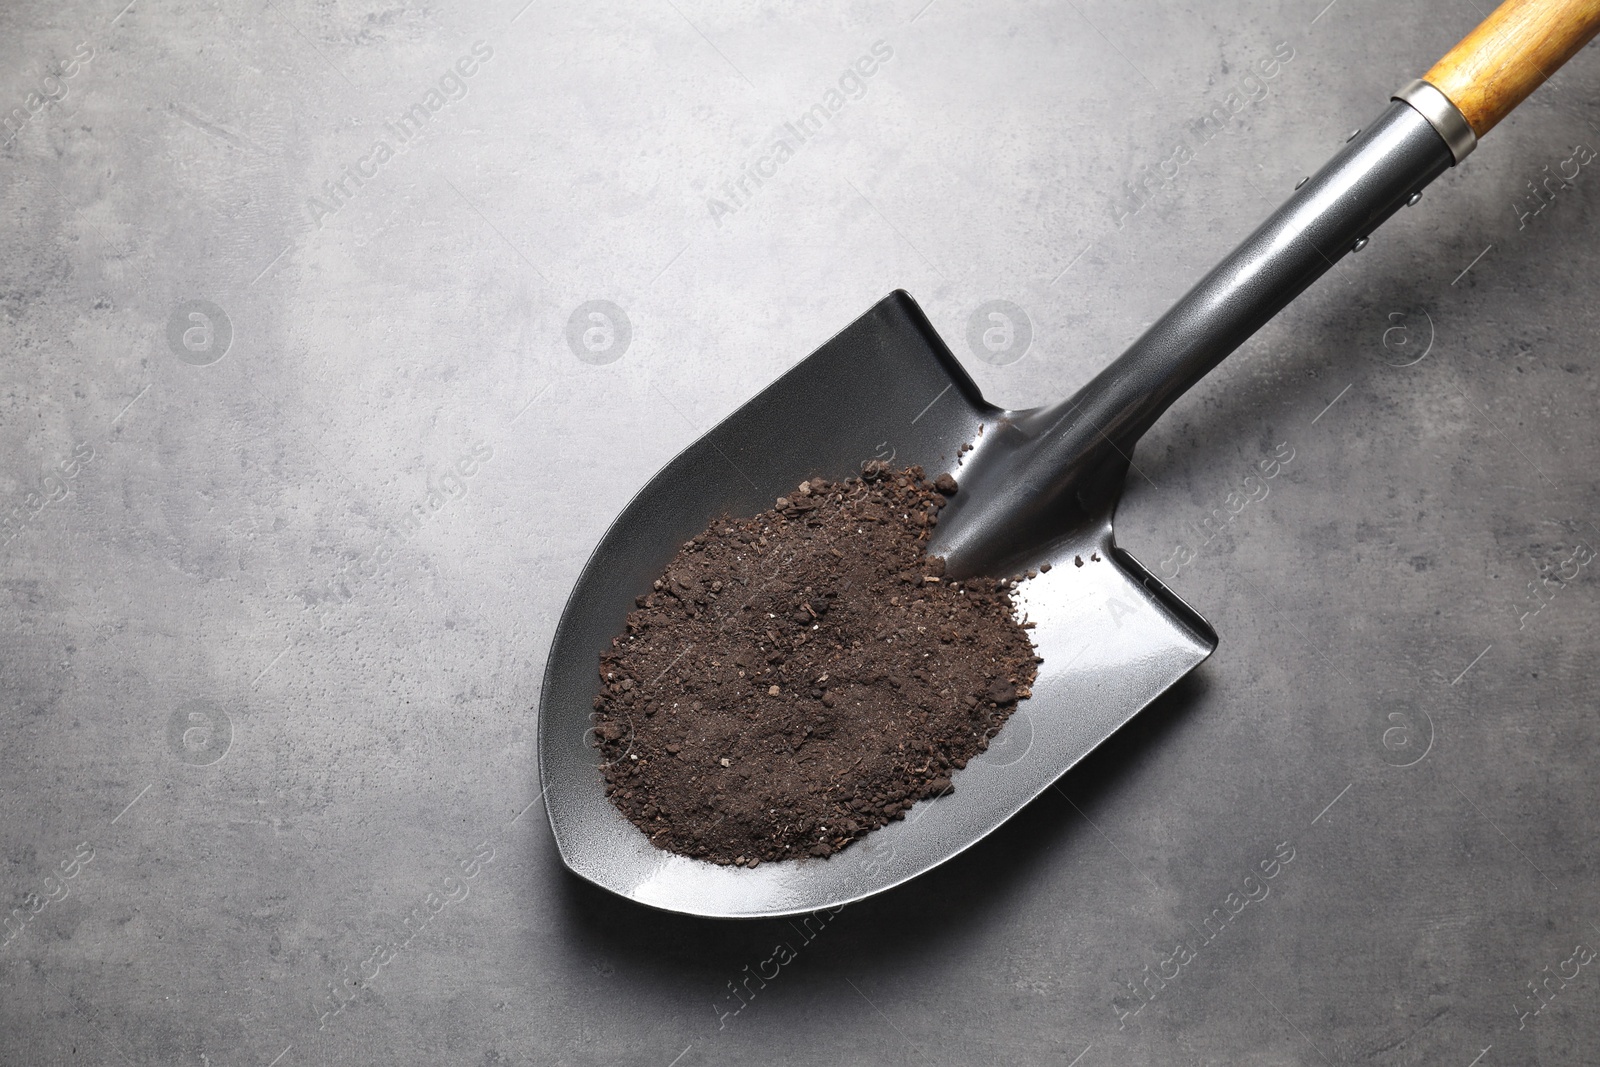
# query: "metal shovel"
[1038,486]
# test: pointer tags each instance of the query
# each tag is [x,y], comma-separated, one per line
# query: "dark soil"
[802,677]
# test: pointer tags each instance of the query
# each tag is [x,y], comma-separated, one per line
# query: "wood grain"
[1510,54]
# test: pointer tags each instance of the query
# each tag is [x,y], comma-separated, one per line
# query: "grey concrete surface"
[268,793]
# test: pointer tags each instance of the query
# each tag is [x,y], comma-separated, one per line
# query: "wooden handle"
[1510,54]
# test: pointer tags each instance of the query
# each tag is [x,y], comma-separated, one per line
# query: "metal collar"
[1442,115]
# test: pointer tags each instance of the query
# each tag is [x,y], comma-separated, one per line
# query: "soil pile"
[802,677]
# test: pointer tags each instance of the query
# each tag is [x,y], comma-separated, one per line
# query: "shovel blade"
[1112,637]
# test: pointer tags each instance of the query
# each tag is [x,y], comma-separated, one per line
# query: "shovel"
[1038,486]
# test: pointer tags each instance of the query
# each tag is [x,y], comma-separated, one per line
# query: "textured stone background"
[248,727]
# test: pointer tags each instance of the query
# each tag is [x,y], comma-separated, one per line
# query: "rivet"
[1302,181]
[1361,242]
[1411,201]
[1353,134]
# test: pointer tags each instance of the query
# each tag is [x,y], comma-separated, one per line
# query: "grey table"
[309,420]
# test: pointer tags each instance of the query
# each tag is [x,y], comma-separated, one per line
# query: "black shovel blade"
[1112,637]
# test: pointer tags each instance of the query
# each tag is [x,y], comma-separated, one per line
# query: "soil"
[797,679]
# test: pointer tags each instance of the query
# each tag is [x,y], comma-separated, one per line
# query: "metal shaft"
[1047,472]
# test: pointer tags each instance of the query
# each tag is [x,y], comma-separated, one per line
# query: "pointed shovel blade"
[1112,637]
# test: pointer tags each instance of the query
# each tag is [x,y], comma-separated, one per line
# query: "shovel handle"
[1063,467]
[1510,54]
